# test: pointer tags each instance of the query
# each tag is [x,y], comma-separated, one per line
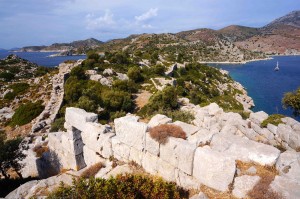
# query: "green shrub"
[10,96]
[57,125]
[292,100]
[26,112]
[274,119]
[123,186]
[135,74]
[7,76]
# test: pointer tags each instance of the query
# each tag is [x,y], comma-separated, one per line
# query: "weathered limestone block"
[288,165]
[201,137]
[258,117]
[131,132]
[149,163]
[214,109]
[152,146]
[120,169]
[187,128]
[136,155]
[244,184]
[78,118]
[166,170]
[106,144]
[179,153]
[272,128]
[159,119]
[287,187]
[288,135]
[244,149]
[121,151]
[185,180]
[91,157]
[213,168]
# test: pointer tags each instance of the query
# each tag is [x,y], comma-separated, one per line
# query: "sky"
[43,22]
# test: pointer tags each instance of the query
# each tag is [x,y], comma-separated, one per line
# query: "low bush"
[162,132]
[57,125]
[274,119]
[26,112]
[92,170]
[123,186]
[17,88]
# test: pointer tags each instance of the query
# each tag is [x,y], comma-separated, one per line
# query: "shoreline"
[242,62]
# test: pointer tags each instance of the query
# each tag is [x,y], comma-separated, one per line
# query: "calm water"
[266,86]
[41,58]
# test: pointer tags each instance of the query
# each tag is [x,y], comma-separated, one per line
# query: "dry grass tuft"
[162,132]
[40,149]
[92,170]
[262,190]
[212,193]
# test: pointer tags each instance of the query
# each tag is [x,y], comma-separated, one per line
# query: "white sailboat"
[277,67]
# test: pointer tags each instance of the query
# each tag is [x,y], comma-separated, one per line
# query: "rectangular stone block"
[78,117]
[213,168]
[91,157]
[131,132]
[136,156]
[121,151]
[186,181]
[165,170]
[149,163]
[152,146]
[179,153]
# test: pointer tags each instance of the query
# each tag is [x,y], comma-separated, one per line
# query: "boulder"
[213,169]
[122,76]
[131,132]
[108,71]
[244,184]
[214,109]
[258,117]
[159,119]
[272,128]
[40,188]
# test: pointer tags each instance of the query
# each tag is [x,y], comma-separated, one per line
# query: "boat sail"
[277,67]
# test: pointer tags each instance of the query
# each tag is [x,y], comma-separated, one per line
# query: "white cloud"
[147,15]
[94,22]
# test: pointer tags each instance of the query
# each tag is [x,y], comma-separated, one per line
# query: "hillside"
[280,37]
[80,46]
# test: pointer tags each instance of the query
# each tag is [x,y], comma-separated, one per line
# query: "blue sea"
[266,86]
[41,58]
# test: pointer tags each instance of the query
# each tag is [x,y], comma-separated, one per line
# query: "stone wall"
[215,141]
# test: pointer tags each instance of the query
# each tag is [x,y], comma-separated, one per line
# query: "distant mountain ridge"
[231,43]
[79,46]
